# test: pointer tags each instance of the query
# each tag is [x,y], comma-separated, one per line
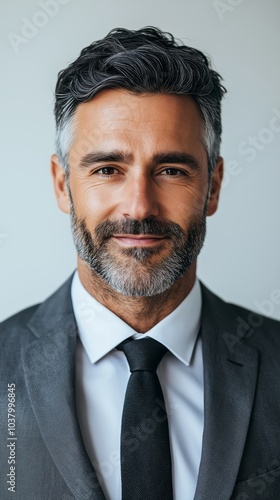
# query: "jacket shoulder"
[248,326]
[219,303]
[52,304]
[20,317]
[11,325]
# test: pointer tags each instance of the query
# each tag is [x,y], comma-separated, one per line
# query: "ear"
[215,187]
[60,187]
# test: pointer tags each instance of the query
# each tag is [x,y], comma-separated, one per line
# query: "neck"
[140,313]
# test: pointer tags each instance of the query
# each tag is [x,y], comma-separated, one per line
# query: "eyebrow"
[176,157]
[170,157]
[103,156]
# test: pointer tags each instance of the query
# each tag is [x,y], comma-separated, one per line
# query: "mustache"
[147,226]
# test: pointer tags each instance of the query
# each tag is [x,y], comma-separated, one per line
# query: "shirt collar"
[101,330]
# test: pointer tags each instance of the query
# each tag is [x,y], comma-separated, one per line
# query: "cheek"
[198,203]
[187,204]
[92,203]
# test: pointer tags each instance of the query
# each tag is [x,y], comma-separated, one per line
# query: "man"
[138,169]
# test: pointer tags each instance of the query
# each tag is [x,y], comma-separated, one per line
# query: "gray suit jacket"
[241,440]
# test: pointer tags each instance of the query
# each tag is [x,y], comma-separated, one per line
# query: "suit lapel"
[49,367]
[230,373]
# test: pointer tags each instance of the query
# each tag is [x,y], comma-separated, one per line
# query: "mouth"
[138,240]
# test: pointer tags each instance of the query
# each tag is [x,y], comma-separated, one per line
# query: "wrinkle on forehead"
[117,118]
[119,106]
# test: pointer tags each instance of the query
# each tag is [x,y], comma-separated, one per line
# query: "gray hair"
[146,61]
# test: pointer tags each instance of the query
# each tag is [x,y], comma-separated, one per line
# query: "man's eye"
[173,172]
[106,171]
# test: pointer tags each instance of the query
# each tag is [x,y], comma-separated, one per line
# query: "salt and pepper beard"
[132,271]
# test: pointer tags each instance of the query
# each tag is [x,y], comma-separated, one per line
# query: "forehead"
[116,116]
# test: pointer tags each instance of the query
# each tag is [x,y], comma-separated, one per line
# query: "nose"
[139,198]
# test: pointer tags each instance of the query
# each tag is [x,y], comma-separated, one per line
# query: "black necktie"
[145,450]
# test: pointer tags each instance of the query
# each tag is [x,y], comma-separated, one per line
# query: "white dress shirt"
[102,373]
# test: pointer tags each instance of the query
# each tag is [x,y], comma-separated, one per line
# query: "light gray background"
[240,260]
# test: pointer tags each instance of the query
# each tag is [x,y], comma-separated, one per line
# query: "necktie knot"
[144,354]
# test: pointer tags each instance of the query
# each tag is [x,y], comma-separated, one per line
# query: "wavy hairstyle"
[143,61]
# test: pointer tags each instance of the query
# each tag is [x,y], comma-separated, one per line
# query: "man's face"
[138,189]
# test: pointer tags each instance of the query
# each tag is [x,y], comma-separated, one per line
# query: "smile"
[141,240]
